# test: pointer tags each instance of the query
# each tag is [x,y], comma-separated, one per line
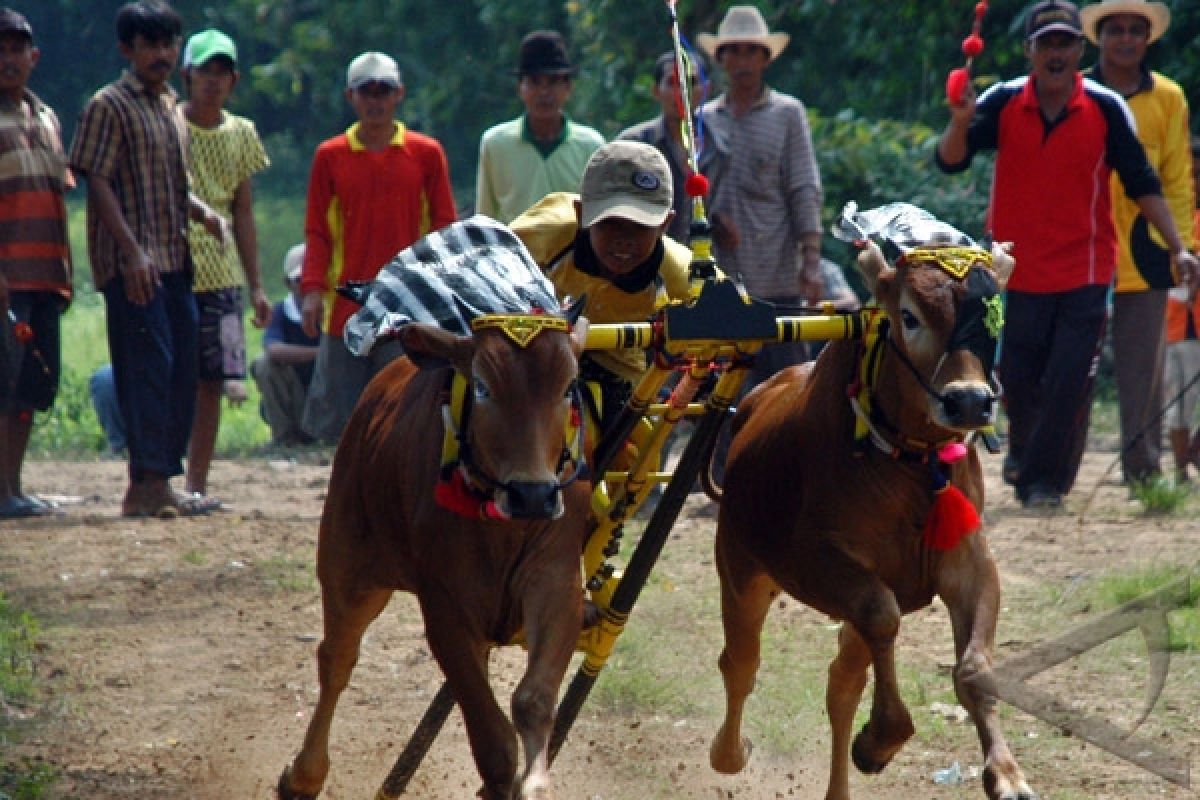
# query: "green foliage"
[18,637]
[1158,495]
[30,780]
[1117,588]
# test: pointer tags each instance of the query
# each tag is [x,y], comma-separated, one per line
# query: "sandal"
[22,507]
[168,505]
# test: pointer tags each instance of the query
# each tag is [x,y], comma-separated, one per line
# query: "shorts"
[221,336]
[1182,367]
[30,371]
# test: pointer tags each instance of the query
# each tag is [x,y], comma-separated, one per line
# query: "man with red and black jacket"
[1057,137]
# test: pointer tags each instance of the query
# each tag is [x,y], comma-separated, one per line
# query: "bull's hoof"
[283,789]
[865,764]
[729,760]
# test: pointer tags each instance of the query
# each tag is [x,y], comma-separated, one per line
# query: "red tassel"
[452,494]
[951,519]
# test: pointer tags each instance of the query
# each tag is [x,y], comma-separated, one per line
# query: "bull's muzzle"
[967,406]
[532,499]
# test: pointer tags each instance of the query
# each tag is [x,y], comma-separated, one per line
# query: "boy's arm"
[139,271]
[245,237]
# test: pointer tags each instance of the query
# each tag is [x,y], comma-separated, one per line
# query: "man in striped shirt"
[35,262]
[127,146]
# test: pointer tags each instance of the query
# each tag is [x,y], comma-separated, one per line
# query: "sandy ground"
[177,656]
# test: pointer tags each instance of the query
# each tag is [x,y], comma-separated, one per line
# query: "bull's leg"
[553,619]
[847,590]
[462,654]
[346,617]
[970,588]
[847,679]
[746,596]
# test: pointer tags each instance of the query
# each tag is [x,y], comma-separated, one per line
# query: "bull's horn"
[871,263]
[1002,262]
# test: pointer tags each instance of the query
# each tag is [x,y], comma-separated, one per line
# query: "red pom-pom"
[951,519]
[980,9]
[696,185]
[972,45]
[23,332]
[956,85]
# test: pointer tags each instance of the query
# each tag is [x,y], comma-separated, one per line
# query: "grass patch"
[29,780]
[289,574]
[18,637]
[1158,495]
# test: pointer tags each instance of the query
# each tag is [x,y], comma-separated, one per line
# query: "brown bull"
[478,581]
[842,527]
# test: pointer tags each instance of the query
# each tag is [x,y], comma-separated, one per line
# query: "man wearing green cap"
[223,151]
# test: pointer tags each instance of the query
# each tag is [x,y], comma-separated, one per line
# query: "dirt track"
[178,656]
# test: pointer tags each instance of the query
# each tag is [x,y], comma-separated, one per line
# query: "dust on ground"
[177,656]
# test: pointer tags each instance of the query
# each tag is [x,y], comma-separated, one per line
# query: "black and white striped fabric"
[475,266]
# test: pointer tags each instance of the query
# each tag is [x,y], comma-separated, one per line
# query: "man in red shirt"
[1058,137]
[373,191]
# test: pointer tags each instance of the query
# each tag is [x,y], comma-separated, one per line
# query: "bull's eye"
[480,389]
[909,320]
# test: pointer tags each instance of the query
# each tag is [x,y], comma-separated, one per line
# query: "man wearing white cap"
[1122,30]
[373,191]
[285,369]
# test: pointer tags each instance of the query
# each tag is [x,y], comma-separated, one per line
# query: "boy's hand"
[311,312]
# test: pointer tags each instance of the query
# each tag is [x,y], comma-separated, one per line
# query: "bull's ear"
[579,331]
[429,347]
[1002,262]
[872,264]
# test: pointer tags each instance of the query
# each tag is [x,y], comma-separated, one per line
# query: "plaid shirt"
[130,138]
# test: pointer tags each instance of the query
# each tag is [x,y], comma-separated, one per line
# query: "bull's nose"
[533,500]
[970,406]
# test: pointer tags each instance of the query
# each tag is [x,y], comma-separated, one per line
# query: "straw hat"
[743,24]
[1157,14]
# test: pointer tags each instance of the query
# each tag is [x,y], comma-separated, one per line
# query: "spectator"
[766,204]
[543,150]
[374,190]
[1047,201]
[127,146]
[223,152]
[284,371]
[1181,377]
[607,244]
[35,258]
[103,389]
[1122,30]
[666,133]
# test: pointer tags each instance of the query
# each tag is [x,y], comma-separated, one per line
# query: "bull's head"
[945,310]
[521,376]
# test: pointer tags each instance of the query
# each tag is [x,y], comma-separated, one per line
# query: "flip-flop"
[21,507]
[176,504]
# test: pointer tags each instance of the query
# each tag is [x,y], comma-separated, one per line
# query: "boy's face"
[544,96]
[151,61]
[375,103]
[622,244]
[666,89]
[17,59]
[211,83]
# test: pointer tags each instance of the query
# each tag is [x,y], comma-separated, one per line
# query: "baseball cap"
[14,22]
[1051,16]
[626,179]
[293,262]
[373,67]
[207,45]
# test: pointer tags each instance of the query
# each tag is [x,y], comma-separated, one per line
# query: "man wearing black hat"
[543,150]
[35,260]
[1057,137]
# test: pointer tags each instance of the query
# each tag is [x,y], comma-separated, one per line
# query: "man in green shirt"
[543,150]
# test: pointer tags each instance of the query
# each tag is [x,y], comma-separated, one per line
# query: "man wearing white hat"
[1122,30]
[373,191]
[766,206]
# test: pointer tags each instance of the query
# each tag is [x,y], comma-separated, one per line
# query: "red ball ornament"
[696,185]
[981,9]
[972,46]
[956,85]
[22,332]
